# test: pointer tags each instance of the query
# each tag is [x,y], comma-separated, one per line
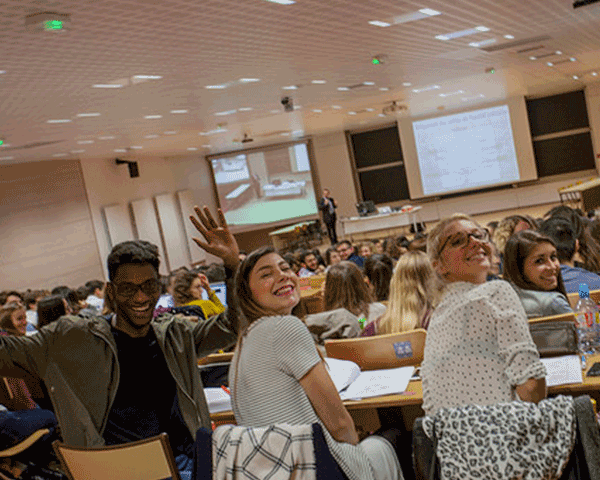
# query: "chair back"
[380,351]
[216,358]
[148,459]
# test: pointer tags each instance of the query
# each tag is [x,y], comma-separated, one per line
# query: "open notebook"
[347,378]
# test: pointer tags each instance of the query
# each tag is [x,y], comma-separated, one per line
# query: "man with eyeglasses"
[347,252]
[123,377]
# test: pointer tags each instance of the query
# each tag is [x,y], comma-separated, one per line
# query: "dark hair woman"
[275,349]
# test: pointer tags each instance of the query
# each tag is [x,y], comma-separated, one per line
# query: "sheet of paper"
[375,383]
[218,400]
[563,370]
[342,372]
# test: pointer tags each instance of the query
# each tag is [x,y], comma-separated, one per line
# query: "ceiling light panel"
[462,33]
[378,23]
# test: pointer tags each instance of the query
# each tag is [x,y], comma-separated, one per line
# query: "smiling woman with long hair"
[531,266]
[276,354]
[478,349]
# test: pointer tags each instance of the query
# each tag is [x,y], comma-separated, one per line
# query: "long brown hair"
[345,287]
[6,313]
[516,251]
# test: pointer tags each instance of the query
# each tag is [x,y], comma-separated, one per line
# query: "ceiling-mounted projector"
[393,108]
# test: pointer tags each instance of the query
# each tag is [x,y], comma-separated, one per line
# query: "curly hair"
[181,287]
[506,228]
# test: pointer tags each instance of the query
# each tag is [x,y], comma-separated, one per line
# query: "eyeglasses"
[462,239]
[149,287]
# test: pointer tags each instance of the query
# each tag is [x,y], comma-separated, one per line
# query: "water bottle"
[586,313]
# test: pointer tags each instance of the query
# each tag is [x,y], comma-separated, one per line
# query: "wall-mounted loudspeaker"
[134,171]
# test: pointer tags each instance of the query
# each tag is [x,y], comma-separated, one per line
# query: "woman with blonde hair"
[478,349]
[414,291]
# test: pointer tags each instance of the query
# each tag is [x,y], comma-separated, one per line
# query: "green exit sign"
[53,25]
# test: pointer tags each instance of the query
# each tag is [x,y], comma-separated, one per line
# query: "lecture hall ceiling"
[535,46]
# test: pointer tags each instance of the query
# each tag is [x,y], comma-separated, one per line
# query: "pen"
[226,390]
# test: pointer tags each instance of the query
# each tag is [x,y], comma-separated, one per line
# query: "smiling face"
[274,285]
[311,262]
[460,261]
[134,292]
[541,267]
[19,321]
[345,250]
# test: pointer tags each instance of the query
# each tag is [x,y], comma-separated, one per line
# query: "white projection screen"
[269,186]
[468,150]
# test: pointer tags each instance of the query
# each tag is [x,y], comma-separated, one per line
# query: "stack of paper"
[342,372]
[374,383]
[563,370]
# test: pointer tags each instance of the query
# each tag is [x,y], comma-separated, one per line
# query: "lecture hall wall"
[27,261]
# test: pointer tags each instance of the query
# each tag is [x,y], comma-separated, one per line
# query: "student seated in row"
[278,376]
[531,266]
[123,377]
[478,348]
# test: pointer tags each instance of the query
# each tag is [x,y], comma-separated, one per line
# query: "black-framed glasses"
[462,239]
[127,289]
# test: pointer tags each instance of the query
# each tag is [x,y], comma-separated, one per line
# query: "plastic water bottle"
[586,313]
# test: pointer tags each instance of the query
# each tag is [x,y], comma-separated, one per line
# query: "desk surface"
[414,396]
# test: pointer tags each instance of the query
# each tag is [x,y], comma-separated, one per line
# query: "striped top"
[275,354]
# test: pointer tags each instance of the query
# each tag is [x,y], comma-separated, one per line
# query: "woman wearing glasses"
[479,349]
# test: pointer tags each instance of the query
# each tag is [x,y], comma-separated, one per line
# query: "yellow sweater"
[210,307]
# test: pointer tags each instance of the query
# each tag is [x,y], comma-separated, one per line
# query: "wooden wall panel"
[146,227]
[176,249]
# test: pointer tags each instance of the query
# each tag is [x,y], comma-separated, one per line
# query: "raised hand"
[218,239]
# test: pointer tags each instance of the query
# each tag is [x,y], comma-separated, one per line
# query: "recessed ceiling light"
[77,151]
[509,37]
[316,110]
[179,111]
[406,84]
[192,149]
[467,99]
[381,115]
[215,87]
[297,132]
[369,84]
[462,33]
[336,107]
[573,59]
[290,87]
[377,23]
[245,109]
[120,150]
[594,74]
[383,89]
[60,120]
[148,77]
[283,2]
[575,77]
[151,136]
[483,43]
[343,89]
[107,85]
[285,134]
[207,146]
[550,64]
[83,115]
[7,158]
[57,155]
[430,12]
[351,113]
[226,112]
[136,147]
[170,132]
[370,109]
[152,117]
[318,82]
[107,137]
[274,111]
[426,89]
[249,80]
[458,92]
[2,72]
[532,58]
[297,107]
[85,142]
[558,52]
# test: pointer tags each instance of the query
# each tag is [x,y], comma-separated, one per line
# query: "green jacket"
[77,359]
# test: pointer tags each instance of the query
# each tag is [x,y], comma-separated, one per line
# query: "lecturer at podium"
[327,205]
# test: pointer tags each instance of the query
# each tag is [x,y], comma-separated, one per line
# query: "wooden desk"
[385,224]
[363,411]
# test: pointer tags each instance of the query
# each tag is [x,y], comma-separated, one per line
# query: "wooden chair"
[563,317]
[380,351]
[216,358]
[148,459]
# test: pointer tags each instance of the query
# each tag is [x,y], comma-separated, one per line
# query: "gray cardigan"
[542,304]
